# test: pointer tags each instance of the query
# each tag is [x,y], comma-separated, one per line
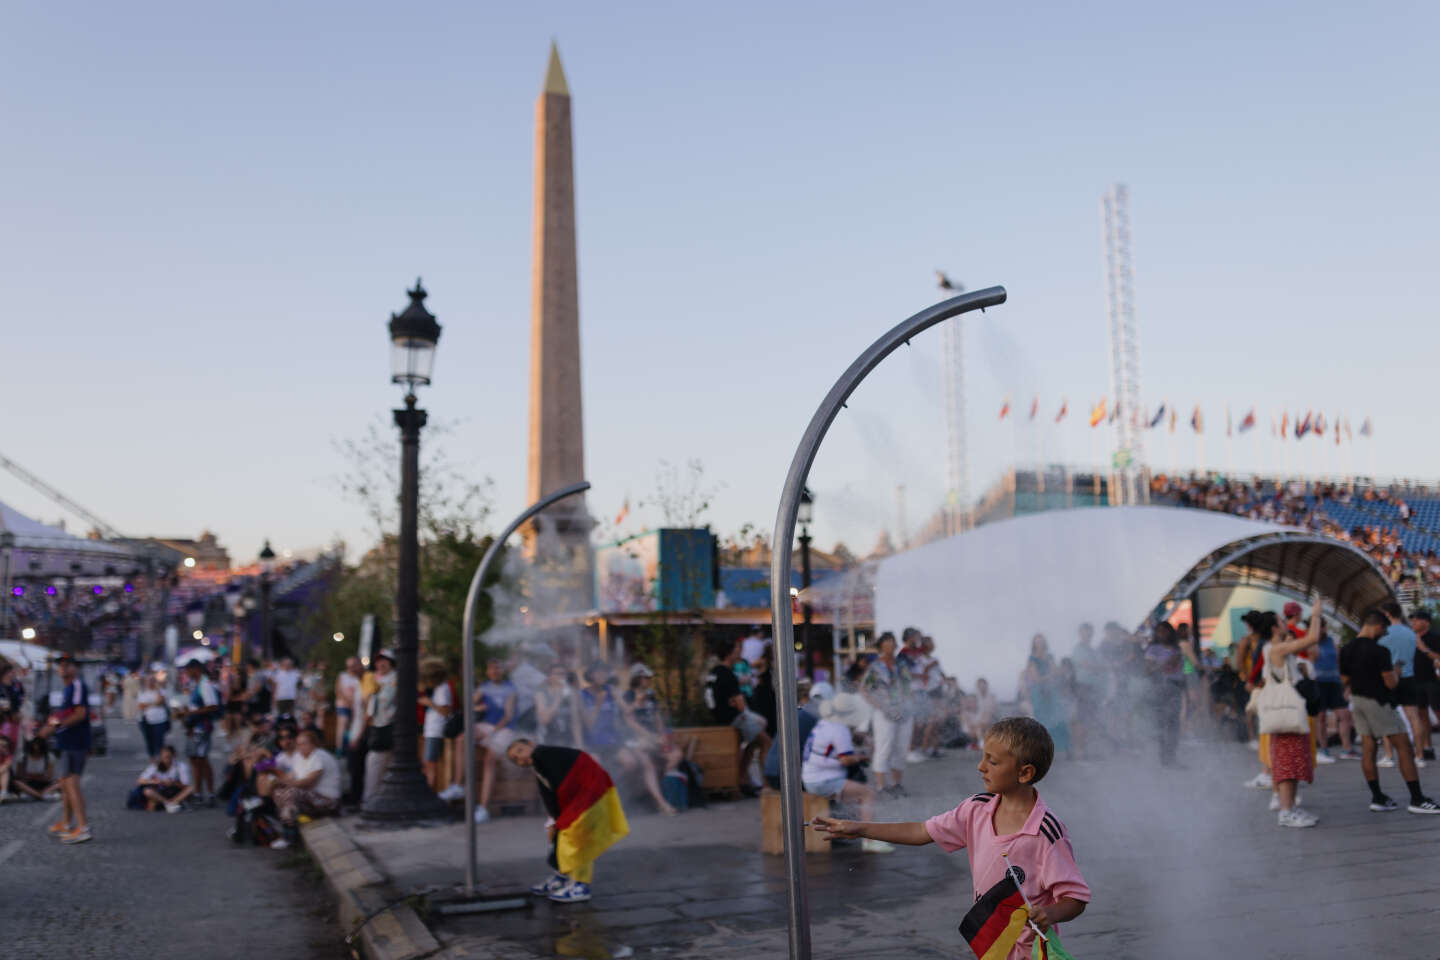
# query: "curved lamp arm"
[798,901]
[467,637]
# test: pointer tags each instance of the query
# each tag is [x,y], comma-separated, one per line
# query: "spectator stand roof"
[985,593]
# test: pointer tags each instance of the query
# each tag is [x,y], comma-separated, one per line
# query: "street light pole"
[267,558]
[404,795]
[7,547]
[782,619]
[807,506]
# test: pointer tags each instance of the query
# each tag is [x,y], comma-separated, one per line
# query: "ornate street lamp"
[803,514]
[403,794]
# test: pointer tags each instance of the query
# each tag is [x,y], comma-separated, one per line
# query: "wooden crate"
[772,836]
[717,754]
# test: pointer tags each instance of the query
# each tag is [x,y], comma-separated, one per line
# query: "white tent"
[982,595]
[30,655]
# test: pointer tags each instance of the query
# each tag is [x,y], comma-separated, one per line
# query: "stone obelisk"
[560,537]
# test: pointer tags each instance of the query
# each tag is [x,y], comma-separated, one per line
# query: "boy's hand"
[1041,918]
[836,828]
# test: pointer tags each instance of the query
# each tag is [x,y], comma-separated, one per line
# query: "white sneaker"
[876,846]
[1421,763]
[452,792]
[555,882]
[482,815]
[1261,781]
[1385,762]
[280,844]
[1425,806]
[1297,818]
[915,756]
[1254,744]
[1323,757]
[173,808]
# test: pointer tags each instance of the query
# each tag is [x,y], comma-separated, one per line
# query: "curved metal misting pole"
[781,615]
[467,633]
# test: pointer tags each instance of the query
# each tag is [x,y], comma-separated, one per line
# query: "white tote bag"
[1278,703]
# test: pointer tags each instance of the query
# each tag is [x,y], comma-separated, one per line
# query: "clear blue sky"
[209,213]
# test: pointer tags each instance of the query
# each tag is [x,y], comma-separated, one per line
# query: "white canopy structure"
[983,594]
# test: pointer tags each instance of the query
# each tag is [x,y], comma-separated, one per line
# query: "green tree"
[453,510]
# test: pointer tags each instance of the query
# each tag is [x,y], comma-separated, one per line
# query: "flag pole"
[1010,872]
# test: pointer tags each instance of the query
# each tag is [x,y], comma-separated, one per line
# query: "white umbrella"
[203,654]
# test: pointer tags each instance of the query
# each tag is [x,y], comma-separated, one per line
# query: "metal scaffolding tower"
[957,468]
[1128,465]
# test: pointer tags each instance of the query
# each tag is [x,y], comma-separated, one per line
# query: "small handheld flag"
[1159,415]
[1064,408]
[1365,428]
[1034,406]
[995,922]
[1005,407]
[1249,421]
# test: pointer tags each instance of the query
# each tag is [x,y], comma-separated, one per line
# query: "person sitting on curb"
[311,786]
[164,783]
[586,818]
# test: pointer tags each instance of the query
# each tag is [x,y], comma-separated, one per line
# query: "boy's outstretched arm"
[1062,911]
[912,834]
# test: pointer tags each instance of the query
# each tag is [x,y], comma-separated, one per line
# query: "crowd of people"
[1380,518]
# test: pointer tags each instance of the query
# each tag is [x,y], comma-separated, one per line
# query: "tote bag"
[1278,703]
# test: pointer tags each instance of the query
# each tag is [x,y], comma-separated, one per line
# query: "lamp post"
[267,563]
[803,515]
[791,822]
[403,794]
[7,547]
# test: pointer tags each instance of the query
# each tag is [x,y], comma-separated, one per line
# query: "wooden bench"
[772,836]
[513,791]
[717,754]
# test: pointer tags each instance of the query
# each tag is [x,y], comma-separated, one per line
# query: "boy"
[585,815]
[1009,819]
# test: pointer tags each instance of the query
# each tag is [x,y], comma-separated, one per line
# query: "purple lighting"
[18,591]
[97,589]
[129,588]
[50,591]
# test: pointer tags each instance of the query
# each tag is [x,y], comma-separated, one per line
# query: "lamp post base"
[404,797]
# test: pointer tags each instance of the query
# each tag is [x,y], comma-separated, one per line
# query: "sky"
[209,213]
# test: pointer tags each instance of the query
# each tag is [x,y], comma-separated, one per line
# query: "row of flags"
[1313,423]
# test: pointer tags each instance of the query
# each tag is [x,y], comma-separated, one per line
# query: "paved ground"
[1185,865]
[151,885]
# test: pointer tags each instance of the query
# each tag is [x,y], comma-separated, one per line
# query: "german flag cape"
[579,794]
[996,921]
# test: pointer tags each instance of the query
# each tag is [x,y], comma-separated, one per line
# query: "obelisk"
[561,535]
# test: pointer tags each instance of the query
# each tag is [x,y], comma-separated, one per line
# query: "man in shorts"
[70,725]
[728,708]
[203,708]
[1402,643]
[1427,680]
[1366,666]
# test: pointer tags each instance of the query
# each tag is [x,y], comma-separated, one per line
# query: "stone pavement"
[151,885]
[1184,864]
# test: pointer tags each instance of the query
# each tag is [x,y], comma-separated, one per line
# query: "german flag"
[580,796]
[996,921]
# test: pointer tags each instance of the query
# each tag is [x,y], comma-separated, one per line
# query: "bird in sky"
[947,284]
